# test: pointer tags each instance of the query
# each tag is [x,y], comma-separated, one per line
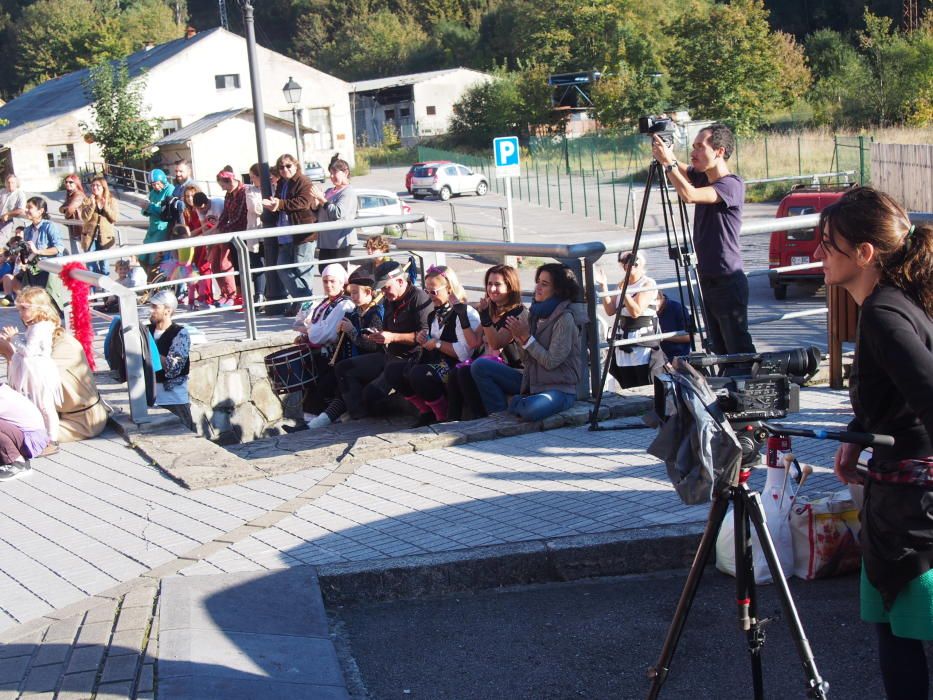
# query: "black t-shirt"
[891,386]
[408,314]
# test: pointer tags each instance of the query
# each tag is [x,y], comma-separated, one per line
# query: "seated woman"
[81,412]
[318,324]
[22,433]
[632,364]
[452,336]
[550,351]
[364,320]
[503,300]
[174,346]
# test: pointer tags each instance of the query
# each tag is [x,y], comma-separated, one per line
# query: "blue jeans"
[99,266]
[297,280]
[494,381]
[540,406]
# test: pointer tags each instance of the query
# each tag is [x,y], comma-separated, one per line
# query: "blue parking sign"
[505,150]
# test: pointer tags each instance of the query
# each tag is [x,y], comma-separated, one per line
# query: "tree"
[727,65]
[120,124]
[378,44]
[486,110]
[841,76]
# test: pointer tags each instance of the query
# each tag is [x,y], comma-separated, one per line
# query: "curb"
[571,558]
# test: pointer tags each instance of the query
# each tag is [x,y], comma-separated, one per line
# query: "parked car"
[446,180]
[372,202]
[797,247]
[411,171]
[315,171]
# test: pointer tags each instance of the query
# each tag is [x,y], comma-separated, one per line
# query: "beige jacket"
[105,219]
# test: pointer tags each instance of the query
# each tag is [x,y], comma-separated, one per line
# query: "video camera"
[19,249]
[661,125]
[758,386]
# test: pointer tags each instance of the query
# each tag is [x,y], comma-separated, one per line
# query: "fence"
[134,179]
[905,172]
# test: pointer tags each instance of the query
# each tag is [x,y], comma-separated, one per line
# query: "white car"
[372,202]
[446,180]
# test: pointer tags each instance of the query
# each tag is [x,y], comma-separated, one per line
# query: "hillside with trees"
[836,62]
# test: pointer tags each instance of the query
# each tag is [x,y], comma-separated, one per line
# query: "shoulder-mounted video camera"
[756,386]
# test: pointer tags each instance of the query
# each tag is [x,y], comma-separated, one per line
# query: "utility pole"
[259,115]
[222,7]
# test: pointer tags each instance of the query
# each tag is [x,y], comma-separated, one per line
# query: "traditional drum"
[291,369]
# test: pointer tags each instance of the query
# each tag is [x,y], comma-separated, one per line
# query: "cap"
[164,298]
[387,272]
[335,270]
[362,278]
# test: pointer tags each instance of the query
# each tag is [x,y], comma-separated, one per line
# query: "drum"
[291,369]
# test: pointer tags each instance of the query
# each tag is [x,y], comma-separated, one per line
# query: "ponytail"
[910,268]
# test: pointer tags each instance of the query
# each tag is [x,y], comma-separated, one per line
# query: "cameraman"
[719,197]
[869,248]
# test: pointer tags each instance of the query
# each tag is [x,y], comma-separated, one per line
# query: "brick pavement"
[86,539]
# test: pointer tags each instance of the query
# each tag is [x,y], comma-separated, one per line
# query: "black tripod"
[680,250]
[747,509]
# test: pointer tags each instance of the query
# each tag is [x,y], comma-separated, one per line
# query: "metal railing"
[581,257]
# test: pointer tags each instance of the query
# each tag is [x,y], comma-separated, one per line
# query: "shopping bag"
[825,533]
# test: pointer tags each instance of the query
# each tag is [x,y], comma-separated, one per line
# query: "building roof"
[59,96]
[209,121]
[410,79]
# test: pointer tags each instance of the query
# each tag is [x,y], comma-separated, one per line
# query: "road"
[595,639]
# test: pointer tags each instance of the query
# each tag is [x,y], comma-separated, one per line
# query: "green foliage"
[728,65]
[120,124]
[373,46]
[390,137]
[54,37]
[486,110]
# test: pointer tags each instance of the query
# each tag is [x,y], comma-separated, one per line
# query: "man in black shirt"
[360,379]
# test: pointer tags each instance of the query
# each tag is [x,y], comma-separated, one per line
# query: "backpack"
[169,210]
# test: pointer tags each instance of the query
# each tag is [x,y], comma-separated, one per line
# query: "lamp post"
[292,92]
[259,116]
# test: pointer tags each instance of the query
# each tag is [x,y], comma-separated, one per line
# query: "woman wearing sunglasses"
[452,336]
[291,206]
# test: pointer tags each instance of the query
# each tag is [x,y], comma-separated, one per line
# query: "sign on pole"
[505,149]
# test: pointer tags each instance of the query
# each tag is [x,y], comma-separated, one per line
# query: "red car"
[797,247]
[419,165]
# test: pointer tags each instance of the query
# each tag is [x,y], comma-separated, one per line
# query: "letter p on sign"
[505,150]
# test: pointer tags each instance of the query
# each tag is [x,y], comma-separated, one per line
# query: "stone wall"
[232,399]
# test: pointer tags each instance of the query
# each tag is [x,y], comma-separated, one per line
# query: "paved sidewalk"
[88,537]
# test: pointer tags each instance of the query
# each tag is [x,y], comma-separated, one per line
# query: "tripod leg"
[745,597]
[654,172]
[658,673]
[816,686]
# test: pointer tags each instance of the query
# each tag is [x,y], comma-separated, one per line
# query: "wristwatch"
[671,166]
[437,343]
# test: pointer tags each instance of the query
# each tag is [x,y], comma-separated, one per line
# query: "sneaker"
[226,301]
[10,471]
[50,449]
[193,306]
[320,421]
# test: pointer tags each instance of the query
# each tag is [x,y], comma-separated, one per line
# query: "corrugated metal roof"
[398,80]
[59,96]
[209,121]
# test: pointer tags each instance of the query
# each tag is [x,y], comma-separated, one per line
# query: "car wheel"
[444,193]
[780,292]
[482,188]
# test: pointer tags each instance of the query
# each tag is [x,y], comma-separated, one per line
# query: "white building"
[419,104]
[188,80]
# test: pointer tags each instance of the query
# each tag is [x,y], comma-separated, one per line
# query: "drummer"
[318,324]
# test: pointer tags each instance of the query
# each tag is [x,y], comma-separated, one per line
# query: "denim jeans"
[297,280]
[494,381]
[99,266]
[540,406]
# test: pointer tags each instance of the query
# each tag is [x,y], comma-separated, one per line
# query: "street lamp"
[292,92]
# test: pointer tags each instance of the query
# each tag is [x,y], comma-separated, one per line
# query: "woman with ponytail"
[870,248]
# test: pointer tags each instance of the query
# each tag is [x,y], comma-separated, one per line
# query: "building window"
[61,159]
[230,81]
[432,110]
[390,114]
[318,118]
[169,126]
[404,112]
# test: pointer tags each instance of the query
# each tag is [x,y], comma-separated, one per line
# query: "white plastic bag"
[777,513]
[826,532]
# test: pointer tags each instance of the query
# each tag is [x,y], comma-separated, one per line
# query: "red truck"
[797,247]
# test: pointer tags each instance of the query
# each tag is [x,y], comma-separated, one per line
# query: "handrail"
[581,257]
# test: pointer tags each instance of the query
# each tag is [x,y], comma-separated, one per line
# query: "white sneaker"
[309,417]
[319,421]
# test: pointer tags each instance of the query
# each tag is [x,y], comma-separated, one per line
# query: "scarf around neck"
[543,309]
